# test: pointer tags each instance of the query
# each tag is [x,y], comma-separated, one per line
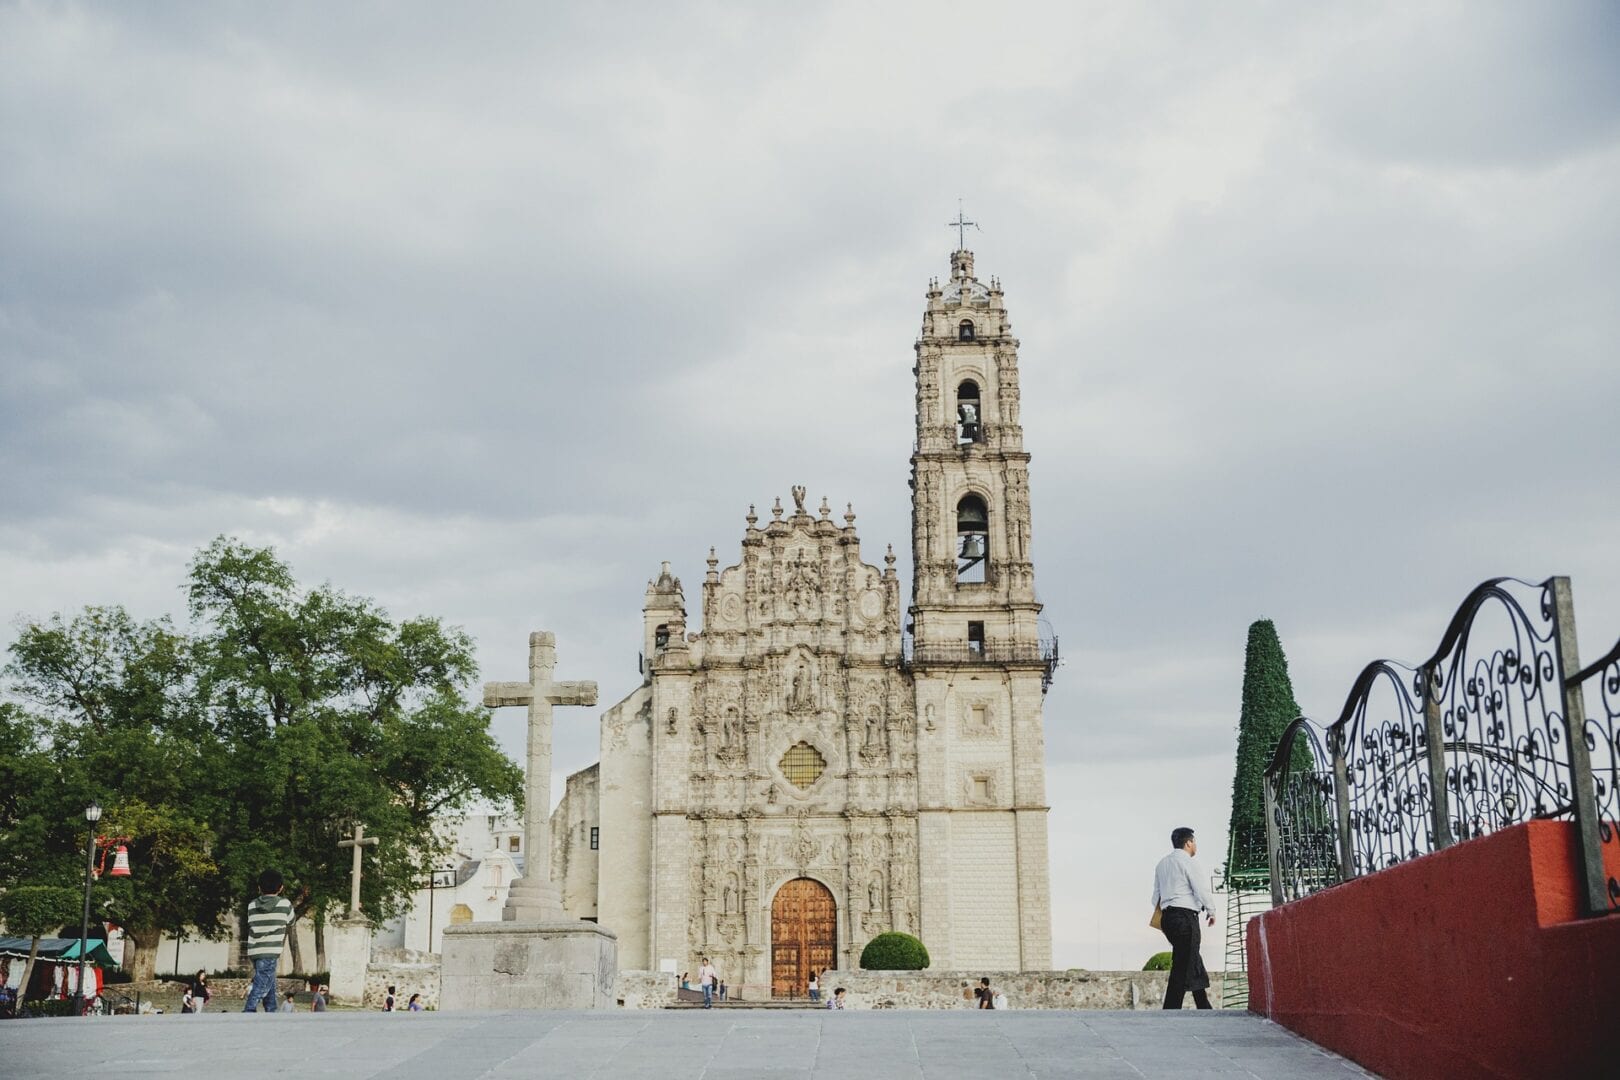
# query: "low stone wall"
[407,971]
[644,989]
[1072,989]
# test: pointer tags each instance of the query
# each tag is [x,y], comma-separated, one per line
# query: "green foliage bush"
[894,951]
[1159,961]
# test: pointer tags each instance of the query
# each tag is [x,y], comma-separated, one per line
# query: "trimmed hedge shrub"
[894,951]
[1159,961]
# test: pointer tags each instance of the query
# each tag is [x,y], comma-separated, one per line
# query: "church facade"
[801,773]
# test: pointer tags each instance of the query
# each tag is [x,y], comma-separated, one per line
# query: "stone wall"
[644,989]
[1073,989]
[408,971]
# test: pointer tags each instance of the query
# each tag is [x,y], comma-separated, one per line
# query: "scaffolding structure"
[1246,881]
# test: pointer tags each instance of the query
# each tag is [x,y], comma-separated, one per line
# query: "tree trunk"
[28,973]
[141,952]
[297,949]
[320,944]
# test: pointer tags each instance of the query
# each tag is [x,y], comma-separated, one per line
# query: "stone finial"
[826,511]
[713,560]
[849,515]
[776,511]
[752,518]
[888,560]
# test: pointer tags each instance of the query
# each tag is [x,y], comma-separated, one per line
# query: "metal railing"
[1043,654]
[1491,731]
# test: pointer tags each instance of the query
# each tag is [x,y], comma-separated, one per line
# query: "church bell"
[973,546]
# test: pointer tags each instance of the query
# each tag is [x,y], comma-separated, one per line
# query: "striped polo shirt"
[267,919]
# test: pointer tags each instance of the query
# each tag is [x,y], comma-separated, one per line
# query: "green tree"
[1268,706]
[36,911]
[335,714]
[122,724]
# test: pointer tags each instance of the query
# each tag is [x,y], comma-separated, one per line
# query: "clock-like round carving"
[871,605]
[731,608]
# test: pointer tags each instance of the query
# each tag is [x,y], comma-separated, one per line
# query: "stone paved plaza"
[725,1044]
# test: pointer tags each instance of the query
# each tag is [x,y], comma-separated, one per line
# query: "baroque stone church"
[800,774]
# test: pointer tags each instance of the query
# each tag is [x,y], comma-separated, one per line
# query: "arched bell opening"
[968,428]
[973,540]
[964,331]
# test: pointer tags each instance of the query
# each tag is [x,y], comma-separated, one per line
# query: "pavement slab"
[729,1044]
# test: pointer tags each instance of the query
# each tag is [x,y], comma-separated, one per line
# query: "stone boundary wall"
[408,971]
[1072,989]
[644,989]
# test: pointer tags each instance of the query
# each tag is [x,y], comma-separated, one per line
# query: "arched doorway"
[804,935]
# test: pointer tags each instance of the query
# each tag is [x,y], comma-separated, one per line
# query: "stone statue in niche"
[801,698]
[731,729]
[730,900]
[874,729]
[874,895]
[671,722]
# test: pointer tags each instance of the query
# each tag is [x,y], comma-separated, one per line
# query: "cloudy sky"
[485,311]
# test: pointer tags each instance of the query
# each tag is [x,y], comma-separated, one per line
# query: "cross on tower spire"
[961,225]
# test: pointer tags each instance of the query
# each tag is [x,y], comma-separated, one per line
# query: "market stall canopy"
[58,949]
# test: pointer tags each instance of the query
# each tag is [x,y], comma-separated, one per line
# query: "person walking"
[815,987]
[317,999]
[268,917]
[986,996]
[388,1002]
[287,1003]
[415,1004]
[707,979]
[1181,895]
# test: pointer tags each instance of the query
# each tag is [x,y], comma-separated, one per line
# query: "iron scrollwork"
[1602,732]
[1304,821]
[1391,797]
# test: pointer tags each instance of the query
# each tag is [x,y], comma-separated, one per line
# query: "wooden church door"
[804,935]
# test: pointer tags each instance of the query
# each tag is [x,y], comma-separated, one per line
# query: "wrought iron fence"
[989,653]
[1477,738]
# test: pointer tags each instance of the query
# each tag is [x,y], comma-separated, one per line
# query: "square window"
[596,836]
[512,843]
[980,717]
[981,789]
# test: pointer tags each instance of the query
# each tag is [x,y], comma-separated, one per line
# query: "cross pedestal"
[348,937]
[536,957]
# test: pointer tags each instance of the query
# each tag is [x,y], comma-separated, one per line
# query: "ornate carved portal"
[804,935]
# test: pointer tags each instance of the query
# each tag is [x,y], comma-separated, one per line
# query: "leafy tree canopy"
[894,951]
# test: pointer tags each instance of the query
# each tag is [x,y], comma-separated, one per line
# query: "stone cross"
[360,840]
[533,898]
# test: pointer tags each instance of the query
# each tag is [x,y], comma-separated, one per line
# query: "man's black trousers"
[1186,965]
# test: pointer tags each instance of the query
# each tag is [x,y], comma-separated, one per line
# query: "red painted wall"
[1472,962]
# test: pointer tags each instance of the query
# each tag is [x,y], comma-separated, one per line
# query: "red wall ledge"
[1471,962]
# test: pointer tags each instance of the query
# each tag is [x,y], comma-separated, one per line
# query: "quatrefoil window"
[803,764]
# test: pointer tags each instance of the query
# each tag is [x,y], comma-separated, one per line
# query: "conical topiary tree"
[1268,706]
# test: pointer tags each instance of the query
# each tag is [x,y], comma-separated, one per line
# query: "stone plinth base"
[348,954]
[562,964]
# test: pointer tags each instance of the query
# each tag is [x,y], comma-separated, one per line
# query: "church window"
[965,331]
[512,843]
[803,764]
[973,535]
[596,837]
[968,428]
[661,636]
[975,638]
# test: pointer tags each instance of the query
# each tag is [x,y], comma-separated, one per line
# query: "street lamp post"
[92,814]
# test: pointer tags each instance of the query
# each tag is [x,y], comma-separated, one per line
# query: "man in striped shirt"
[267,919]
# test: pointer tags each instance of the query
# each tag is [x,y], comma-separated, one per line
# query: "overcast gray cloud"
[485,311]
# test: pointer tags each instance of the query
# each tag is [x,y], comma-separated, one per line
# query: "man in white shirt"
[707,979]
[1181,893]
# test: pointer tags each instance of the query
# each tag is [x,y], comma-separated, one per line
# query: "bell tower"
[979,667]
